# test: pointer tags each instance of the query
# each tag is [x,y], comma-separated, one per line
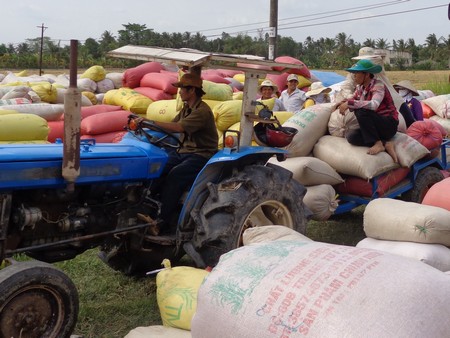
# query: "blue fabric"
[328,78]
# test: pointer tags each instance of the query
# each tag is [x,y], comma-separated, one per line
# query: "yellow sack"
[211,103]
[27,142]
[95,73]
[23,127]
[176,295]
[22,73]
[162,110]
[217,91]
[91,97]
[110,97]
[238,95]
[46,92]
[131,100]
[227,113]
[283,116]
[303,82]
[8,112]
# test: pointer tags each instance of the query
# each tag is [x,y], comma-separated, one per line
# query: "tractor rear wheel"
[425,179]
[256,196]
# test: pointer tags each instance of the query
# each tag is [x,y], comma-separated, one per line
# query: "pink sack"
[105,122]
[154,94]
[304,71]
[161,81]
[439,195]
[132,76]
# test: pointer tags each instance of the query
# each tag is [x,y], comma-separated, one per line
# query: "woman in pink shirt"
[374,109]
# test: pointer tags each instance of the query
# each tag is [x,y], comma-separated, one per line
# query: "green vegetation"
[323,53]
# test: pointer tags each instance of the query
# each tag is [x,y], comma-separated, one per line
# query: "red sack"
[132,76]
[161,81]
[279,79]
[428,134]
[439,195]
[56,130]
[102,123]
[304,71]
[97,109]
[154,94]
[361,187]
[112,137]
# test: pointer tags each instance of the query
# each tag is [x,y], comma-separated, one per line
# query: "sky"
[360,20]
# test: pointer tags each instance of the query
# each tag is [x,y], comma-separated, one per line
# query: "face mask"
[405,94]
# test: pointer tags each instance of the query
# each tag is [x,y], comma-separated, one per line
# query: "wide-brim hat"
[406,84]
[367,53]
[190,80]
[365,66]
[267,83]
[317,88]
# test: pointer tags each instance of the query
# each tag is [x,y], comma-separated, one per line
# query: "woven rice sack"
[352,160]
[309,170]
[161,81]
[50,112]
[217,91]
[163,110]
[408,150]
[440,105]
[116,78]
[176,294]
[154,94]
[158,331]
[46,92]
[435,255]
[102,123]
[439,195]
[227,113]
[61,93]
[95,73]
[16,92]
[132,77]
[131,100]
[23,127]
[104,85]
[297,289]
[269,233]
[4,102]
[86,85]
[321,201]
[339,125]
[445,123]
[395,220]
[311,124]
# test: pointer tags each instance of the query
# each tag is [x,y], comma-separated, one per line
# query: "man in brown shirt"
[195,122]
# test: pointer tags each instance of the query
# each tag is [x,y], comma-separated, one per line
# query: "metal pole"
[42,27]
[72,119]
[273,29]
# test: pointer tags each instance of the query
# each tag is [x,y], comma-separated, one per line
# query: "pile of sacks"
[419,231]
[281,283]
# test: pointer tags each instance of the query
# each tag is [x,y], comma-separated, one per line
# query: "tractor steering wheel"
[162,141]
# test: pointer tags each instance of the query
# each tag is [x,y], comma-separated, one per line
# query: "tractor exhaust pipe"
[72,119]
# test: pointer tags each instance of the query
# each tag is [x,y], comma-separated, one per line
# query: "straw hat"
[365,66]
[267,83]
[367,53]
[406,84]
[317,88]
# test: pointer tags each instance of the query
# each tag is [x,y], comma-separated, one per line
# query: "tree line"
[322,53]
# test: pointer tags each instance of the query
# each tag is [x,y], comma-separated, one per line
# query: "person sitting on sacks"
[407,91]
[268,90]
[292,97]
[377,57]
[318,93]
[374,109]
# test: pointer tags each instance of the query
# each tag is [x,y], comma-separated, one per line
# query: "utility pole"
[43,28]
[273,28]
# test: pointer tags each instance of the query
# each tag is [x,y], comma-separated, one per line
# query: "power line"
[331,22]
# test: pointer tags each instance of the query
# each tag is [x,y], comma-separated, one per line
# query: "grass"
[112,304]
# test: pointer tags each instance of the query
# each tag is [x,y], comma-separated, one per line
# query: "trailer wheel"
[256,196]
[425,179]
[37,300]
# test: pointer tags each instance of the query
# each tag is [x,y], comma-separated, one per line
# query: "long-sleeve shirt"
[374,97]
[293,102]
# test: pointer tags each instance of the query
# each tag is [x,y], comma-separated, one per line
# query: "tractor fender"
[219,167]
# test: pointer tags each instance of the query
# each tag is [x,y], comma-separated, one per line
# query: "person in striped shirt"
[374,109]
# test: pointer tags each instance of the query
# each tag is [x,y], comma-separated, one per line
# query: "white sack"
[269,233]
[396,220]
[321,201]
[436,255]
[297,289]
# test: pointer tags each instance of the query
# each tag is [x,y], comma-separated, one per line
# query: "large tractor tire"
[36,300]
[256,196]
[425,179]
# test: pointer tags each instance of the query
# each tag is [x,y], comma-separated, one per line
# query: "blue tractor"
[51,216]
